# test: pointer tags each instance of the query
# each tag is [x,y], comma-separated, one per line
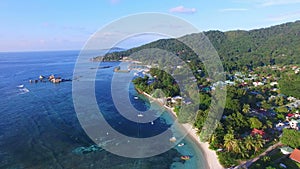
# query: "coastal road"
[248,163]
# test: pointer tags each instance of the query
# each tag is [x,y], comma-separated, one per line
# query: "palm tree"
[246,108]
[237,147]
[212,138]
[249,142]
[242,149]
[229,141]
[269,124]
[259,143]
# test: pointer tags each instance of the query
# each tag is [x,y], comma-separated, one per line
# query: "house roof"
[295,121]
[256,131]
[295,155]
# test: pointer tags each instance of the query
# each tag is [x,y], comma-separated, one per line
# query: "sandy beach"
[210,155]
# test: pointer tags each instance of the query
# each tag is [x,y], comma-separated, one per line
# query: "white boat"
[135,97]
[152,122]
[172,139]
[140,115]
[20,86]
[181,144]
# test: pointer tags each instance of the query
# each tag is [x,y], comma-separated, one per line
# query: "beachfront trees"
[217,140]
[200,118]
[187,114]
[227,159]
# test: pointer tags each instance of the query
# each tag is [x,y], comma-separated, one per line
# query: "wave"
[24,90]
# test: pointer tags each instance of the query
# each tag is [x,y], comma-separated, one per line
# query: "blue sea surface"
[39,126]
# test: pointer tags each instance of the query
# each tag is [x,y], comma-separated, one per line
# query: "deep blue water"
[39,127]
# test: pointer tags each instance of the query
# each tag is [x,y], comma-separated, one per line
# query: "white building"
[273,83]
[258,84]
[295,124]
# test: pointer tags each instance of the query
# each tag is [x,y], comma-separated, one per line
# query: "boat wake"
[22,89]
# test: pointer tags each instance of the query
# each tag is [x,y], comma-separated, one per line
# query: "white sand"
[210,155]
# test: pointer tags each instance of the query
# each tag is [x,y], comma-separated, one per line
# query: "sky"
[37,25]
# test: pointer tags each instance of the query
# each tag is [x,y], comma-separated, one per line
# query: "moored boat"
[181,144]
[172,139]
[185,157]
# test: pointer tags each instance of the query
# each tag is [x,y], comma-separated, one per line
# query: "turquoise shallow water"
[39,127]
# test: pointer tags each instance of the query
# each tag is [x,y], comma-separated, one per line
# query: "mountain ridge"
[238,49]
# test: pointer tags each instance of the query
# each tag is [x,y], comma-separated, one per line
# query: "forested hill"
[238,49]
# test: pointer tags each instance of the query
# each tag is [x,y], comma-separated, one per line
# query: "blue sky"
[66,25]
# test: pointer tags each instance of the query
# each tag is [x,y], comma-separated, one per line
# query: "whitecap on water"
[23,91]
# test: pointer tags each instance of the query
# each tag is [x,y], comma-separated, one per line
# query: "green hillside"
[237,49]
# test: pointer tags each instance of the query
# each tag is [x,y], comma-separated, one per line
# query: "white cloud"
[267,3]
[278,2]
[182,9]
[233,9]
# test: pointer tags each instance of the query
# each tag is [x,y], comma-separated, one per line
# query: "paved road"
[250,162]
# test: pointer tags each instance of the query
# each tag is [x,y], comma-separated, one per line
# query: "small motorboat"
[152,123]
[20,86]
[136,97]
[172,139]
[181,144]
[185,157]
[140,115]
[41,77]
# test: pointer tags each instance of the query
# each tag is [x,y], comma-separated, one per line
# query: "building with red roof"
[295,155]
[256,131]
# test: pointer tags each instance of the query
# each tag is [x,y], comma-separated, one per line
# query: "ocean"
[39,127]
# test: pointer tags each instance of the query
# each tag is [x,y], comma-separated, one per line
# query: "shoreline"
[211,157]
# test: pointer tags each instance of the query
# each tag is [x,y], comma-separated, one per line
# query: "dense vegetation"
[162,81]
[242,51]
[239,50]
[290,84]
[273,161]
[291,138]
